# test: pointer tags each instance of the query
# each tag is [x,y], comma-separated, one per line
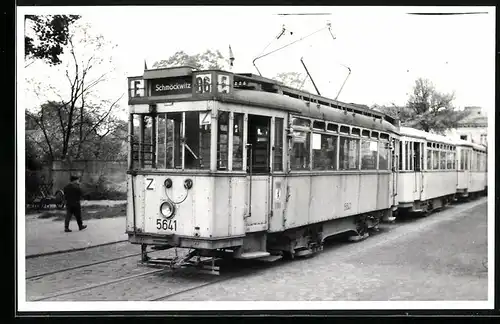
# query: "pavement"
[46,236]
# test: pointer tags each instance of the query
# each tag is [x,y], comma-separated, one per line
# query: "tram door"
[258,172]
[417,163]
[395,171]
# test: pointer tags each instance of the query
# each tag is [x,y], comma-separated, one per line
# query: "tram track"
[179,285]
[37,276]
[38,255]
[98,285]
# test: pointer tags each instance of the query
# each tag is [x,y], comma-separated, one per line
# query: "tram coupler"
[176,263]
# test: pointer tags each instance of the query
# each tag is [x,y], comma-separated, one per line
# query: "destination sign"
[171,86]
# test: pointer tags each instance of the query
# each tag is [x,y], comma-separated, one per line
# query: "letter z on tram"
[241,166]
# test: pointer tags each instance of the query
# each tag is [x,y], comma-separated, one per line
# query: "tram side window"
[300,150]
[429,159]
[278,145]
[442,160]
[462,159]
[409,155]
[435,160]
[466,160]
[238,141]
[383,156]
[401,156]
[349,153]
[222,140]
[325,155]
[449,160]
[369,152]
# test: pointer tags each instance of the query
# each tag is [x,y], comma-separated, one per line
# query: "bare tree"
[426,109]
[86,68]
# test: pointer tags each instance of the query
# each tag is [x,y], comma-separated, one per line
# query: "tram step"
[253,255]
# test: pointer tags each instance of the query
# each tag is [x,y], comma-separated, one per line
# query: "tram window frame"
[435,159]
[401,156]
[301,162]
[374,135]
[301,122]
[449,159]
[408,154]
[467,157]
[365,133]
[327,152]
[223,133]
[345,150]
[355,131]
[279,124]
[384,163]
[429,159]
[442,160]
[333,128]
[238,135]
[369,160]
[319,125]
[344,130]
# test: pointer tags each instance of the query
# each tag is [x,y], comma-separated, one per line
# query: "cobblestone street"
[440,257]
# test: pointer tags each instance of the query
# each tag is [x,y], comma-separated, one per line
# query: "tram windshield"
[172,140]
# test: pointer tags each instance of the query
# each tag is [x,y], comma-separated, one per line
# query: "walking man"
[73,194]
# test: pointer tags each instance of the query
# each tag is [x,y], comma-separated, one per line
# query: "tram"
[427,171]
[241,166]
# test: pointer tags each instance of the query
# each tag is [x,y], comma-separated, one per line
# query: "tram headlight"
[167,209]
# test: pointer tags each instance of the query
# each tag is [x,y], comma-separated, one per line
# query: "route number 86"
[166,224]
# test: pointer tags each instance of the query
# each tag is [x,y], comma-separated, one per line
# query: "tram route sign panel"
[171,86]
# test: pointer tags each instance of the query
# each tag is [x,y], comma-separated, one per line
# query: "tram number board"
[166,224]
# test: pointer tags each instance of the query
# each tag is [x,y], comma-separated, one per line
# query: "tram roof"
[412,132]
[263,87]
[307,109]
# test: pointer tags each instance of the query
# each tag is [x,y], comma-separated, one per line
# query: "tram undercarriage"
[204,254]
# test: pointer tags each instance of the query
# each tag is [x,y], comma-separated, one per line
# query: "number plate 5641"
[166,224]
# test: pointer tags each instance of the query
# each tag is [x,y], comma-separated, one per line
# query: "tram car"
[471,169]
[427,171]
[239,165]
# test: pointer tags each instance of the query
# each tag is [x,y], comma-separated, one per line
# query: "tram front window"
[166,136]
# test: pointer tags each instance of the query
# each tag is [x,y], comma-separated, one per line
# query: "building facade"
[473,128]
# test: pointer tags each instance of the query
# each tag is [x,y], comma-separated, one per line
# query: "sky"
[386,49]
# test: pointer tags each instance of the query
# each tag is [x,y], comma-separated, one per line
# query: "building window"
[463,137]
[484,139]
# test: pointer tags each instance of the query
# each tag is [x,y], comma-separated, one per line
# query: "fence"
[95,176]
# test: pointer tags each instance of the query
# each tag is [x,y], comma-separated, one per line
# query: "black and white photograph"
[191,158]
